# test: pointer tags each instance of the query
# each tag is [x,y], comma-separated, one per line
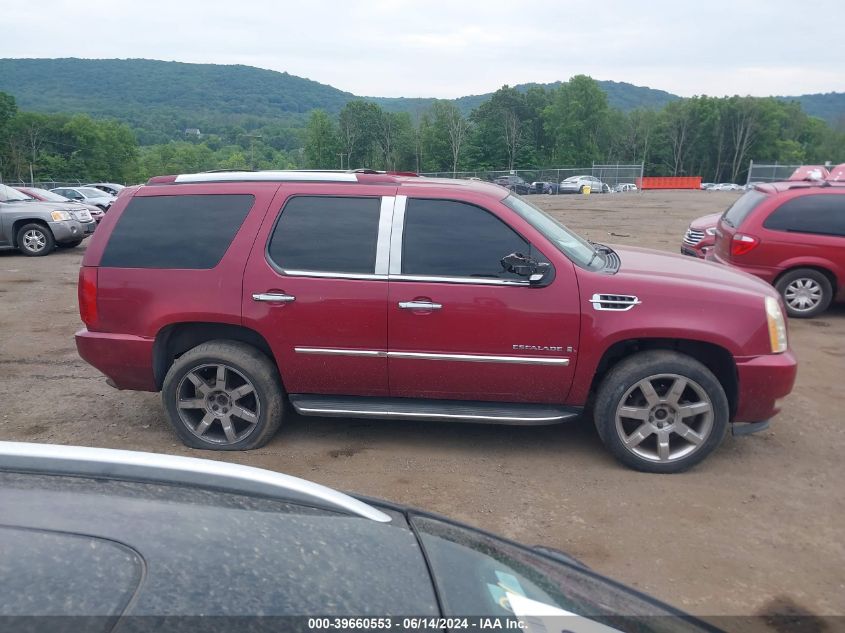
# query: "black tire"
[72,244]
[35,240]
[620,387]
[790,283]
[581,190]
[245,366]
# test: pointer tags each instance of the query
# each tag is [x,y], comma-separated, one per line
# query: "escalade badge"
[538,348]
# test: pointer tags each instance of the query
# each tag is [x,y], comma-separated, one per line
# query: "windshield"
[479,574]
[7,194]
[575,247]
[573,179]
[90,192]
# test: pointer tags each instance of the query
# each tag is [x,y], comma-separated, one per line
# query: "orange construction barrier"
[669,182]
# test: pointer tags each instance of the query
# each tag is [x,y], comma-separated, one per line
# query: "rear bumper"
[763,380]
[763,272]
[126,360]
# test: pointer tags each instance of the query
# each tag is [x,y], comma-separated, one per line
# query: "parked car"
[810,172]
[625,187]
[48,196]
[35,228]
[578,184]
[707,185]
[725,186]
[110,188]
[700,236]
[514,183]
[544,186]
[792,235]
[494,312]
[111,535]
[88,195]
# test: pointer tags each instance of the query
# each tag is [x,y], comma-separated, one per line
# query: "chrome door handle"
[273,297]
[419,305]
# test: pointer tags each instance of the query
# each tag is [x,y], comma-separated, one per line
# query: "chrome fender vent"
[619,303]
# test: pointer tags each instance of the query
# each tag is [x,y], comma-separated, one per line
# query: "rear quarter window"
[188,232]
[742,208]
[820,214]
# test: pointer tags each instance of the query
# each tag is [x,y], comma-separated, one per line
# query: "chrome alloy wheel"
[218,404]
[34,241]
[664,418]
[803,294]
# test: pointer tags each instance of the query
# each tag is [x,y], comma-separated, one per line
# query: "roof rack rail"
[105,463]
[269,176]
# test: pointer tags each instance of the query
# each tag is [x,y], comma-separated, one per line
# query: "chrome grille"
[619,303]
[693,236]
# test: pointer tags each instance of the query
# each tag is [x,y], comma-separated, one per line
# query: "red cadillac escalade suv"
[366,294]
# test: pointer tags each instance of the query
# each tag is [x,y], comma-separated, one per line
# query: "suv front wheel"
[223,395]
[661,412]
[35,240]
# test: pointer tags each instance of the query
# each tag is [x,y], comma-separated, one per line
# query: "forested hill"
[158,95]
[119,87]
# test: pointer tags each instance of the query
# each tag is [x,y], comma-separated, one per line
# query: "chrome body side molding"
[469,358]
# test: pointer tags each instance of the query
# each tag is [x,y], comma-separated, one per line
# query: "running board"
[449,410]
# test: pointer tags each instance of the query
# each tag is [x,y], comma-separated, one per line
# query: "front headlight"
[710,230]
[60,216]
[777,325]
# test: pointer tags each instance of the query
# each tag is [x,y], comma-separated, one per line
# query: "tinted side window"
[327,234]
[57,574]
[820,214]
[455,239]
[176,231]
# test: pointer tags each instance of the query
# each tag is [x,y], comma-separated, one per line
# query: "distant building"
[192,131]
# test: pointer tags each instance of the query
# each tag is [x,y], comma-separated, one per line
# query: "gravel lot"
[755,529]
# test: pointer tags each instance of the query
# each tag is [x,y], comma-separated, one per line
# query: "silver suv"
[36,228]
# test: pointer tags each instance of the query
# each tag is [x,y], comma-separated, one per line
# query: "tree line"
[573,125]
[569,125]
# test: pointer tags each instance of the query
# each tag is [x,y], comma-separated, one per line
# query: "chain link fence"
[44,184]
[548,180]
[773,172]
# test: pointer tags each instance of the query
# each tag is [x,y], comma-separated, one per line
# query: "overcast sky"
[452,48]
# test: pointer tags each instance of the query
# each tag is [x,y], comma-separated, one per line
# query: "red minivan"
[792,235]
[364,294]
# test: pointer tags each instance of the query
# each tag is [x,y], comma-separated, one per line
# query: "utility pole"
[252,138]
[341,159]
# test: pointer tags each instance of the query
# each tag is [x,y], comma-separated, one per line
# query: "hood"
[691,272]
[705,221]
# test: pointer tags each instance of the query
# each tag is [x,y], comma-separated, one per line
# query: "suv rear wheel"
[806,292]
[223,395]
[35,240]
[661,412]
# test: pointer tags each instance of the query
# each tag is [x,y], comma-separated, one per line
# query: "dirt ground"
[757,527]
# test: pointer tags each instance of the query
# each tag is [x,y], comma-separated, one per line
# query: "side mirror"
[523,266]
[519,264]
